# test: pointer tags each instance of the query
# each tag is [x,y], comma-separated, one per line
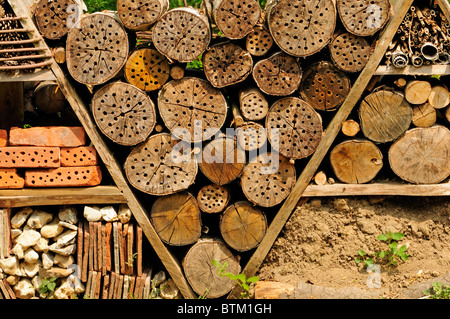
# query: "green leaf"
[357,260]
[253,279]
[393,246]
[51,286]
[245,286]
[241,277]
[382,237]
[397,236]
[216,263]
[382,254]
[361,253]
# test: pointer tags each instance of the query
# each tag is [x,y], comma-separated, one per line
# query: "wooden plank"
[122,247]
[91,246]
[106,285]
[88,291]
[112,285]
[37,76]
[130,257]
[139,250]
[116,247]
[80,247]
[11,106]
[103,247]
[412,70]
[108,240]
[98,280]
[10,290]
[280,219]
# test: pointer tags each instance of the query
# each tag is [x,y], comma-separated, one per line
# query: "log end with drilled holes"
[268,180]
[356,161]
[259,41]
[420,156]
[349,52]
[48,97]
[251,136]
[124,113]
[350,128]
[253,104]
[53,18]
[424,115]
[213,198]
[417,91]
[243,226]
[176,218]
[139,14]
[439,97]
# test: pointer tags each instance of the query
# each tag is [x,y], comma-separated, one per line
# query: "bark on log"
[279,74]
[324,87]
[243,226]
[48,97]
[53,17]
[202,274]
[124,113]
[268,180]
[420,156]
[213,198]
[424,115]
[259,41]
[253,104]
[294,128]
[384,115]
[93,58]
[417,91]
[251,136]
[139,14]
[439,97]
[176,218]
[301,28]
[356,161]
[349,52]
[161,166]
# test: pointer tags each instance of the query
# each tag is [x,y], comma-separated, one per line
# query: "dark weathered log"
[253,104]
[140,14]
[349,52]
[53,18]
[259,41]
[213,198]
[124,113]
[48,97]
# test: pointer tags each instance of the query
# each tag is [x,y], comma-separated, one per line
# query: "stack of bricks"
[53,156]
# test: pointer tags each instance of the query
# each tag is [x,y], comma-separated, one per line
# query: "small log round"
[279,75]
[48,97]
[124,113]
[356,161]
[161,165]
[192,109]
[320,178]
[226,63]
[139,15]
[182,34]
[147,69]
[52,17]
[439,97]
[251,136]
[301,28]
[59,54]
[447,114]
[349,52]
[202,274]
[294,128]
[420,156]
[96,49]
[384,115]
[365,17]
[177,71]
[259,41]
[268,180]
[222,161]
[417,91]
[253,104]
[243,226]
[177,219]
[324,86]
[350,128]
[213,198]
[424,115]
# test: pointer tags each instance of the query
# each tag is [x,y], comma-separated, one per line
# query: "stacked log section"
[384,115]
[324,87]
[365,17]
[349,52]
[202,274]
[222,161]
[259,41]
[251,136]
[268,180]
[417,91]
[439,97]
[279,74]
[53,17]
[48,97]
[91,57]
[350,128]
[356,161]
[192,109]
[226,63]
[124,113]
[424,115]
[253,104]
[182,34]
[420,156]
[294,128]
[243,226]
[176,218]
[139,14]
[161,166]
[147,69]
[213,198]
[301,28]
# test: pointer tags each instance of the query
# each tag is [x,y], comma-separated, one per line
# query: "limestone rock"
[65,251]
[68,225]
[30,270]
[68,214]
[38,219]
[124,214]
[18,251]
[10,266]
[78,285]
[65,291]
[92,214]
[341,205]
[63,261]
[42,245]
[28,238]
[65,237]
[159,278]
[52,229]
[109,214]
[31,256]
[48,260]
[24,289]
[12,280]
[21,217]
[169,290]
[55,272]
[15,233]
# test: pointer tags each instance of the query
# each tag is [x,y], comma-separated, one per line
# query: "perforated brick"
[9,178]
[61,136]
[29,156]
[64,177]
[3,138]
[79,156]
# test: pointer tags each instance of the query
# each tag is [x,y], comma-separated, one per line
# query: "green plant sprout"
[47,285]
[438,291]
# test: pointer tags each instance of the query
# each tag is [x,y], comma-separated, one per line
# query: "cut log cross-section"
[140,14]
[52,17]
[253,104]
[259,41]
[251,136]
[349,52]
[213,198]
[424,115]
[417,91]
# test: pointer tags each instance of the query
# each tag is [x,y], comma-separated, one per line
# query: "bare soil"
[318,246]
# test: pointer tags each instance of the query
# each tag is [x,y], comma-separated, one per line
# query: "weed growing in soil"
[438,291]
[47,285]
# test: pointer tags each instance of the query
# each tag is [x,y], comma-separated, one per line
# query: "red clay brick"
[10,179]
[29,156]
[60,136]
[79,156]
[3,138]
[64,177]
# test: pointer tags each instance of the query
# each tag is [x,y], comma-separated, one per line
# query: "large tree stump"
[192,109]
[52,17]
[259,41]
[294,128]
[253,104]
[365,17]
[417,91]
[356,161]
[147,69]
[301,28]
[222,161]
[202,274]
[161,165]
[349,52]
[48,97]
[243,226]
[213,198]
[140,14]
[268,180]
[420,156]
[324,87]
[384,115]
[182,34]
[280,74]
[176,218]
[226,64]
[96,49]
[124,113]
